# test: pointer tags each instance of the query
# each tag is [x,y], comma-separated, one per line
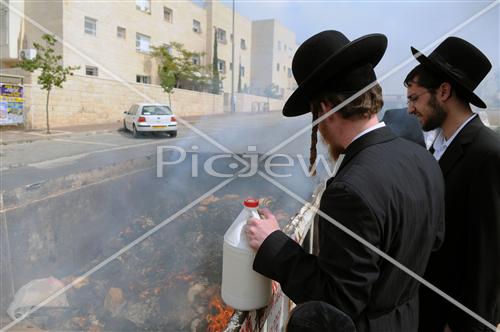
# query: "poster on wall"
[11,104]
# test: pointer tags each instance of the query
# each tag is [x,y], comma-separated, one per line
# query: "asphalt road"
[24,164]
[67,201]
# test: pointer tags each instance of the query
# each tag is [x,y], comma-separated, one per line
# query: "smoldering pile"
[168,282]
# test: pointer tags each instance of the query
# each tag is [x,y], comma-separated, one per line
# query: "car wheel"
[124,126]
[135,133]
[173,134]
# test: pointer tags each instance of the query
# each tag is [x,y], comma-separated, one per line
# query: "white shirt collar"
[366,131]
[441,144]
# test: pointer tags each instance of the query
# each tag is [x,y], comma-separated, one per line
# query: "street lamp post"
[233,101]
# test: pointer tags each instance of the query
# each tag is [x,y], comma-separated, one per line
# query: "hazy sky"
[405,23]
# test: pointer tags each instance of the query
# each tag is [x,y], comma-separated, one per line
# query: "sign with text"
[11,104]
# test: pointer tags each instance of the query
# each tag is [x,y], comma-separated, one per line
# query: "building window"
[168,14]
[196,26]
[143,5]
[243,44]
[289,72]
[196,60]
[90,26]
[142,43]
[91,71]
[279,45]
[170,49]
[143,79]
[121,32]
[242,71]
[221,36]
[221,65]
[277,67]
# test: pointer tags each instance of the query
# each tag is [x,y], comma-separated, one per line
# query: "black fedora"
[461,63]
[316,316]
[328,58]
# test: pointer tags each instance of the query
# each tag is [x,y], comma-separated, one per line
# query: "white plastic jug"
[242,288]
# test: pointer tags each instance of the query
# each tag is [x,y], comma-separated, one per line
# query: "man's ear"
[444,91]
[325,107]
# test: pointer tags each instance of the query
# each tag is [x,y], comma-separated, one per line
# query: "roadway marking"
[63,192]
[84,142]
[54,133]
[65,159]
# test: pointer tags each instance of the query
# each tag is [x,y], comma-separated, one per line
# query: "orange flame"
[219,314]
[185,277]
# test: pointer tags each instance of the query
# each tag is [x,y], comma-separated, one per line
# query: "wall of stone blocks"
[251,103]
[87,100]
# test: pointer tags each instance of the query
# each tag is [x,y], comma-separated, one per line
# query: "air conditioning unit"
[29,53]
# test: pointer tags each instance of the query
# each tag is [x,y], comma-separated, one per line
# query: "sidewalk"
[13,135]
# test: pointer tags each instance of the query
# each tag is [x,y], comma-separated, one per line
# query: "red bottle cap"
[251,202]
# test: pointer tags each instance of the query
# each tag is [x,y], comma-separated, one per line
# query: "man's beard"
[436,117]
[333,152]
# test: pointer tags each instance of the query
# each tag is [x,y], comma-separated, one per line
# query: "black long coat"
[467,267]
[390,192]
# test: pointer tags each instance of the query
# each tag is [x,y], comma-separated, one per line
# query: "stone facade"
[90,100]
[111,49]
[220,16]
[273,47]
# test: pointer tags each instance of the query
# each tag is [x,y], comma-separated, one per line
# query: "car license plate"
[159,126]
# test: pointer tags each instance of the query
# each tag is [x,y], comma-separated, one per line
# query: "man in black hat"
[467,267]
[387,190]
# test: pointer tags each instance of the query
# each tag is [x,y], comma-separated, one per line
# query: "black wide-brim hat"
[460,63]
[328,59]
[316,316]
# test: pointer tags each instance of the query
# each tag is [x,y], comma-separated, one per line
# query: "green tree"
[176,69]
[188,72]
[215,68]
[166,70]
[53,74]
[271,91]
[239,77]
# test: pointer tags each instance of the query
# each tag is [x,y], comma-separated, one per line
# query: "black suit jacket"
[404,125]
[468,265]
[390,192]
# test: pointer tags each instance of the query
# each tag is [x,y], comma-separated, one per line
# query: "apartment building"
[273,47]
[219,19]
[111,42]
[113,39]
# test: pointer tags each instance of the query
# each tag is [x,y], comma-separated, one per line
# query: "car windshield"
[156,110]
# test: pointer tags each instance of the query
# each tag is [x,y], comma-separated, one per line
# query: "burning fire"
[219,314]
[185,277]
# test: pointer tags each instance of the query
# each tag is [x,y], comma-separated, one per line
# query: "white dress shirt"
[441,144]
[338,162]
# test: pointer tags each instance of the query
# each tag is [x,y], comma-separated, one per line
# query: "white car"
[156,118]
